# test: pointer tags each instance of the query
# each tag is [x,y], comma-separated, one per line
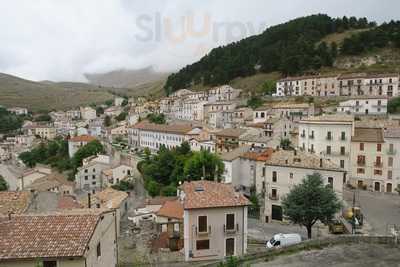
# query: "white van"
[283,240]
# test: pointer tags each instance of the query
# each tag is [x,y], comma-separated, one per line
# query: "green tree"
[90,149]
[285,143]
[124,186]
[107,121]
[3,184]
[394,105]
[122,116]
[124,102]
[311,201]
[109,102]
[43,118]
[269,87]
[205,165]
[255,102]
[99,110]
[156,118]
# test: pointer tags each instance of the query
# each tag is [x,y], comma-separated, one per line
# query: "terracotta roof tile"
[171,209]
[231,132]
[374,135]
[110,198]
[49,236]
[159,200]
[68,202]
[207,194]
[83,138]
[16,202]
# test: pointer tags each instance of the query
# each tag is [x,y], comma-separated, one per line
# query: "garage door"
[276,213]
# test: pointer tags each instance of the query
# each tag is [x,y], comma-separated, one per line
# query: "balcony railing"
[207,233]
[273,196]
[303,135]
[233,230]
[391,152]
[378,164]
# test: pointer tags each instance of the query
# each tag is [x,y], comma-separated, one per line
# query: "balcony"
[311,136]
[378,164]
[273,196]
[303,135]
[233,230]
[391,152]
[208,233]
[335,154]
[361,163]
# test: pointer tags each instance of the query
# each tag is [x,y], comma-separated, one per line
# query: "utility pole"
[353,220]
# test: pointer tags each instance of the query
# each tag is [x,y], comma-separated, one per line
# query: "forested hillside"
[292,48]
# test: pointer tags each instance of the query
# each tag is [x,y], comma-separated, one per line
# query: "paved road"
[379,209]
[355,255]
[10,174]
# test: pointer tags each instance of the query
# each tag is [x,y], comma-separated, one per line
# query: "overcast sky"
[61,40]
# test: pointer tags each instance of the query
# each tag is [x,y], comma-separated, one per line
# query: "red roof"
[206,194]
[46,236]
[68,202]
[171,209]
[83,138]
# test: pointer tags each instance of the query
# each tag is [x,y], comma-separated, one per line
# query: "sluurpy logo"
[201,32]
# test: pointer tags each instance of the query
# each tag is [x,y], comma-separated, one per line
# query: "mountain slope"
[301,46]
[126,78]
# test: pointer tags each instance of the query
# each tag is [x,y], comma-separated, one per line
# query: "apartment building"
[75,143]
[215,221]
[153,136]
[18,111]
[284,169]
[89,175]
[292,111]
[392,159]
[228,139]
[375,106]
[328,136]
[43,131]
[217,107]
[54,240]
[88,113]
[354,84]
[116,174]
[368,158]
[223,93]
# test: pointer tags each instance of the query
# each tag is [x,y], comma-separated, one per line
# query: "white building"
[223,93]
[329,137]
[89,176]
[285,169]
[116,174]
[376,106]
[18,111]
[153,136]
[75,143]
[118,101]
[88,113]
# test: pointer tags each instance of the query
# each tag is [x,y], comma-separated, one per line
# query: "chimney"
[89,200]
[320,163]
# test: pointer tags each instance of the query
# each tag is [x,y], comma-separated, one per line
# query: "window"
[342,150]
[391,148]
[98,250]
[390,174]
[377,172]
[202,244]
[230,221]
[328,150]
[93,176]
[263,172]
[361,146]
[274,176]
[360,170]
[93,183]
[202,224]
[86,170]
[291,175]
[342,163]
[49,264]
[329,136]
[390,162]
[94,170]
[86,177]
[330,182]
[379,147]
[343,136]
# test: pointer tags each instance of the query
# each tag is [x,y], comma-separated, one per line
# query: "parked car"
[283,240]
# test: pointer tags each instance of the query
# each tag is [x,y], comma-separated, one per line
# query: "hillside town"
[198,175]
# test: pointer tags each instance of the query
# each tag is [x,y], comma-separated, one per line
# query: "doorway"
[389,188]
[276,213]
[230,247]
[377,186]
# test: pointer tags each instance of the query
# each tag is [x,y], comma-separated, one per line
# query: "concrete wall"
[216,218]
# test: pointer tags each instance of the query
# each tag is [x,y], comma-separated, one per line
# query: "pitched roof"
[68,202]
[159,200]
[82,138]
[258,155]
[111,198]
[374,135]
[50,181]
[171,209]
[46,236]
[231,132]
[287,158]
[16,202]
[234,154]
[167,128]
[392,133]
[207,194]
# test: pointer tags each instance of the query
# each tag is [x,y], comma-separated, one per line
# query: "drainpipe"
[243,231]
